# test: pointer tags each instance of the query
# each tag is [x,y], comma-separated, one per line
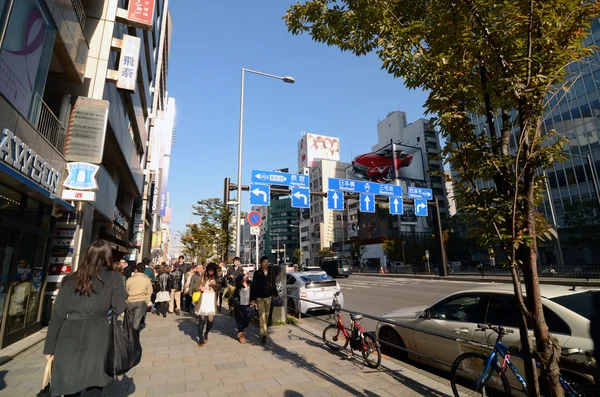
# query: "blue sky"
[336,94]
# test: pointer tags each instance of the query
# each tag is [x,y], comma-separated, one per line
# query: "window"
[290,280]
[582,303]
[464,308]
[10,202]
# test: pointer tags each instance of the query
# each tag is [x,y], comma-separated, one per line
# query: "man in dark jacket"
[261,294]
[177,282]
[232,274]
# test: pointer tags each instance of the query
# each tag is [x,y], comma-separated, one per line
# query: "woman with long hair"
[78,332]
[165,284]
[243,310]
[209,285]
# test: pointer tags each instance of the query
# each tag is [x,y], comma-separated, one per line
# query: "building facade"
[281,236]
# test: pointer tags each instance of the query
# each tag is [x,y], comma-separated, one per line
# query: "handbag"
[155,287]
[124,348]
[196,296]
[45,391]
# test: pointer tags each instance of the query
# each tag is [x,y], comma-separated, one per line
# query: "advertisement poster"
[313,147]
[378,166]
[352,229]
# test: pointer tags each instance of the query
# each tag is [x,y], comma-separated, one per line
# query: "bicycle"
[496,374]
[358,338]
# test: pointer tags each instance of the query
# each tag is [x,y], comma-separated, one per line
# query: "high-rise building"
[281,237]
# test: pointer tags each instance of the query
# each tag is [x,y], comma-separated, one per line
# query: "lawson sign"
[82,176]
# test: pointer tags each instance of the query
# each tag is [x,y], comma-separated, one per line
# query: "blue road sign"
[396,206]
[367,203]
[300,197]
[420,207]
[335,200]
[420,193]
[260,194]
[279,178]
[350,185]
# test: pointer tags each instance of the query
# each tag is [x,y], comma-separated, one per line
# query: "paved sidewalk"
[293,363]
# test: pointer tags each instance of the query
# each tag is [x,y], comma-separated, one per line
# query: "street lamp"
[285,79]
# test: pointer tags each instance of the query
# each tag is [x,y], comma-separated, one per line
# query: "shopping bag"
[45,391]
[124,348]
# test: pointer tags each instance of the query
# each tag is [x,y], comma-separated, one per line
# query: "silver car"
[567,311]
[314,285]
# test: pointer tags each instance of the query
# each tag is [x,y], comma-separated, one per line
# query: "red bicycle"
[337,337]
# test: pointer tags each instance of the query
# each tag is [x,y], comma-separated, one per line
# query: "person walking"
[128,268]
[77,337]
[176,287]
[139,294]
[209,285]
[222,274]
[163,296]
[187,291]
[261,295]
[242,310]
[232,274]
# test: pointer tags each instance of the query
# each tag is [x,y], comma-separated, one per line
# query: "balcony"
[49,126]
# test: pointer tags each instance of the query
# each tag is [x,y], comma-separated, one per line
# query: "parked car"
[337,267]
[379,166]
[314,285]
[567,311]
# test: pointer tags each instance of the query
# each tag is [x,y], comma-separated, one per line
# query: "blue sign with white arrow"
[335,200]
[300,197]
[260,194]
[420,207]
[367,203]
[420,193]
[279,178]
[396,206]
[350,185]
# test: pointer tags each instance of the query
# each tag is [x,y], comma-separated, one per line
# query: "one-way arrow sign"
[335,200]
[367,203]
[396,207]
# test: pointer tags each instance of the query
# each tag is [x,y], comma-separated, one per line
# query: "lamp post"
[285,79]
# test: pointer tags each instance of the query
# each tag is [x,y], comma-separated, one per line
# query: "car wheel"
[291,307]
[390,338]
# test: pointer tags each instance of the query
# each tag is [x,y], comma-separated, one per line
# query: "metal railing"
[50,127]
[80,12]
[566,363]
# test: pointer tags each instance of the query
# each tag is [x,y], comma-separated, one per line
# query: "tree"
[393,249]
[358,250]
[298,254]
[198,243]
[581,213]
[497,62]
[215,220]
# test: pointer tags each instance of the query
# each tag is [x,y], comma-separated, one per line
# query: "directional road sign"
[420,193]
[420,207]
[396,207]
[367,203]
[279,178]
[350,185]
[300,197]
[335,200]
[254,218]
[260,194]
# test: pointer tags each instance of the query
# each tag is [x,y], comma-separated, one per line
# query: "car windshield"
[582,303]
[309,278]
[387,152]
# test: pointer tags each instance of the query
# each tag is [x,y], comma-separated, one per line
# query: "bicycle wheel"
[469,367]
[371,352]
[334,338]
[587,390]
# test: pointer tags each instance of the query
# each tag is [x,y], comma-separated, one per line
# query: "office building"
[281,236]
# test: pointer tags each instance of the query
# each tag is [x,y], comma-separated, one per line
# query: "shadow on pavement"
[3,379]
[120,387]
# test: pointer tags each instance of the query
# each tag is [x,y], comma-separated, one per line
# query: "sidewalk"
[293,363]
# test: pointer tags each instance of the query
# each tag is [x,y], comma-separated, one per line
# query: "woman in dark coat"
[165,284]
[78,331]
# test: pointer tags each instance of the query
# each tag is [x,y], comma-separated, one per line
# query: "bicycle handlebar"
[497,329]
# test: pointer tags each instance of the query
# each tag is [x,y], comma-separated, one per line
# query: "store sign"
[82,176]
[18,155]
[141,11]
[78,195]
[156,240]
[128,65]
[155,198]
[87,131]
[120,220]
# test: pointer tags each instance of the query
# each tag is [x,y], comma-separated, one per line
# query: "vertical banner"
[128,64]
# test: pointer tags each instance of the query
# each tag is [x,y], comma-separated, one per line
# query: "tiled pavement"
[293,363]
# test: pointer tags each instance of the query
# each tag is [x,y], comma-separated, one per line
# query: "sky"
[335,94]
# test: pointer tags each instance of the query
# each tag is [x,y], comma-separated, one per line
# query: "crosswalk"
[359,282]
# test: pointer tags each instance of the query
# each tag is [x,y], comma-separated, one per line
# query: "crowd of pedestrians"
[79,328]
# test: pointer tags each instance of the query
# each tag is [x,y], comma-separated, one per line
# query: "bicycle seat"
[356,316]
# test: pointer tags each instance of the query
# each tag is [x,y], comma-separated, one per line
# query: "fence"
[51,128]
[79,11]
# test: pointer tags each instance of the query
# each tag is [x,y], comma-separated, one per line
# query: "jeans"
[89,392]
[264,307]
[242,317]
[202,321]
[175,297]
[136,311]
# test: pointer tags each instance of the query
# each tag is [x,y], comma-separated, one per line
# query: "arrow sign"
[279,178]
[396,207]
[354,186]
[300,197]
[260,194]
[335,200]
[367,203]
[420,193]
[420,207]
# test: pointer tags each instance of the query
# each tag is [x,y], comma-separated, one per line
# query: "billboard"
[378,166]
[352,229]
[313,147]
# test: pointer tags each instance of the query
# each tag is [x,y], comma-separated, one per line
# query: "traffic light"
[226,191]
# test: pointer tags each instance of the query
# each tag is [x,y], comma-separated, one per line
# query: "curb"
[490,279]
[416,377]
[9,353]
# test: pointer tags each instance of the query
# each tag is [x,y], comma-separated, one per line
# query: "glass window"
[562,181]
[465,308]
[582,303]
[503,311]
[20,289]
[25,55]
[32,210]
[570,176]
[10,202]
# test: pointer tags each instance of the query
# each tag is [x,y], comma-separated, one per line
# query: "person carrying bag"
[45,391]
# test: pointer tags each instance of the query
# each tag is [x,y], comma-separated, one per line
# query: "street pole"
[278,249]
[443,264]
[284,254]
[561,262]
[594,178]
[396,182]
[256,251]
[403,257]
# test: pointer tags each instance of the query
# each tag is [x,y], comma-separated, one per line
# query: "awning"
[15,179]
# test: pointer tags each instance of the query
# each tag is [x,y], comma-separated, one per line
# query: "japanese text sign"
[141,11]
[128,65]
